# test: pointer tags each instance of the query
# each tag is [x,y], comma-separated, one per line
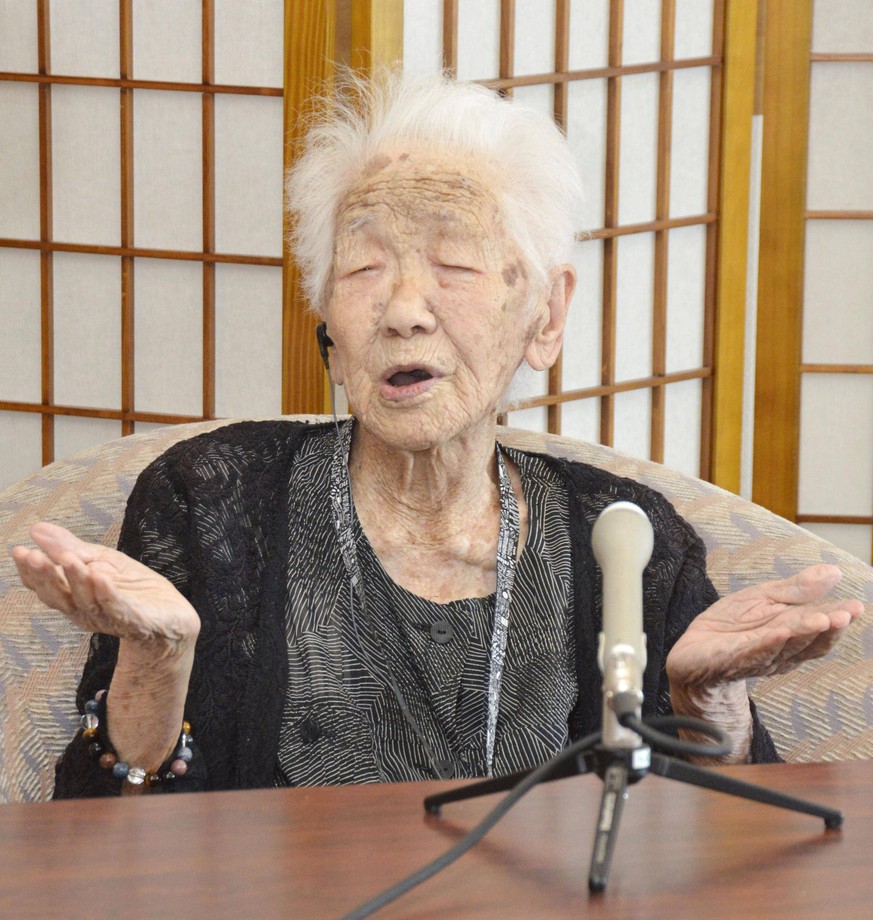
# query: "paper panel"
[633,422]
[536,419]
[84,38]
[167,170]
[853,538]
[842,26]
[682,411]
[479,40]
[693,29]
[169,336]
[582,335]
[689,155]
[20,342]
[166,40]
[836,444]
[686,296]
[423,36]
[249,142]
[19,49]
[840,137]
[86,165]
[534,36]
[581,419]
[589,34]
[641,42]
[838,292]
[19,154]
[20,446]
[87,365]
[73,434]
[248,340]
[586,134]
[249,42]
[638,154]
[633,306]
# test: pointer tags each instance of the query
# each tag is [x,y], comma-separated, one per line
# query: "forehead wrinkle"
[413,193]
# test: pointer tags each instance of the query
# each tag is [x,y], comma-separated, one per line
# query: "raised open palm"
[762,630]
[102,590]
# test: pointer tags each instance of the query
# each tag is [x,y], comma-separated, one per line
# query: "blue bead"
[120,770]
[185,754]
[92,706]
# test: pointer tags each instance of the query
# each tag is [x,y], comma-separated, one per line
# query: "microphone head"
[622,534]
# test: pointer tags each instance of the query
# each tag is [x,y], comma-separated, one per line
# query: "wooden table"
[682,852]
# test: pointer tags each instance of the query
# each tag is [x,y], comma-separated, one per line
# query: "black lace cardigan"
[211,514]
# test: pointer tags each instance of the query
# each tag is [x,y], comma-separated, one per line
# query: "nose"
[408,310]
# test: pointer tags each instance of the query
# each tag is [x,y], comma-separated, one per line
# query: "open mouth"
[406,381]
[409,378]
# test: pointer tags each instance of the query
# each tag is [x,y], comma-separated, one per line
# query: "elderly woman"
[399,597]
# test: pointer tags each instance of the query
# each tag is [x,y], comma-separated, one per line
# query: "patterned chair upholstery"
[823,711]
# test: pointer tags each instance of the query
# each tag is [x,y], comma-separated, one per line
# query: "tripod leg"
[434,803]
[611,804]
[699,776]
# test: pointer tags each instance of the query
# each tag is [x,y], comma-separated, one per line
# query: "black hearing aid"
[324,342]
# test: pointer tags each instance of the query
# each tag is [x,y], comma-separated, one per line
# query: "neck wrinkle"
[437,489]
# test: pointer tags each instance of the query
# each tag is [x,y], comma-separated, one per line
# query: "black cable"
[478,832]
[648,731]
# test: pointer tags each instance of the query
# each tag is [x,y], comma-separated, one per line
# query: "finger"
[20,556]
[47,580]
[54,540]
[820,645]
[805,587]
[88,610]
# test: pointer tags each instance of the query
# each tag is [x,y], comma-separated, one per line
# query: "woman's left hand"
[762,630]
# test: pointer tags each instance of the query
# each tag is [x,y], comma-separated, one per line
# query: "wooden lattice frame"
[127,251]
[612,230]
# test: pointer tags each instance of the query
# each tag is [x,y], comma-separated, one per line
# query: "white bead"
[136,776]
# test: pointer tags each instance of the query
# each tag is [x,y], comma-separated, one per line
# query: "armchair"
[822,711]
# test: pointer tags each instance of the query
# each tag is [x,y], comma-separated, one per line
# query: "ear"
[550,318]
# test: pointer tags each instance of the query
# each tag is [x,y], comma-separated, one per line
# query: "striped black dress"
[342,722]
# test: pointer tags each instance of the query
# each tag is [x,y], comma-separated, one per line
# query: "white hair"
[540,194]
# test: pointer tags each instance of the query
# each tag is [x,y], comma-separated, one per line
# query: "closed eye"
[458,268]
[361,270]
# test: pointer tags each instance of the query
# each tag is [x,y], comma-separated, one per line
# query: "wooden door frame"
[788,34]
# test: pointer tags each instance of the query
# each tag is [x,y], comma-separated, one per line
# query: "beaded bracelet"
[175,766]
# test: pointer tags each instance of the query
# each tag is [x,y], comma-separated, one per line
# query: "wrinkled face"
[428,305]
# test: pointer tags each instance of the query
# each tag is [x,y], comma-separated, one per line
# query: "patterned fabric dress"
[342,722]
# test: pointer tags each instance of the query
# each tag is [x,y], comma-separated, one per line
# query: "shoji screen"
[637,86]
[140,218]
[835,491]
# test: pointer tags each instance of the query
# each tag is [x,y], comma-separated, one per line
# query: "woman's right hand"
[102,590]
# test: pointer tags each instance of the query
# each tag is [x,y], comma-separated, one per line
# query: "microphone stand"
[622,540]
[620,767]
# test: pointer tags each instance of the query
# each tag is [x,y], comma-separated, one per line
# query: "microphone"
[622,540]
